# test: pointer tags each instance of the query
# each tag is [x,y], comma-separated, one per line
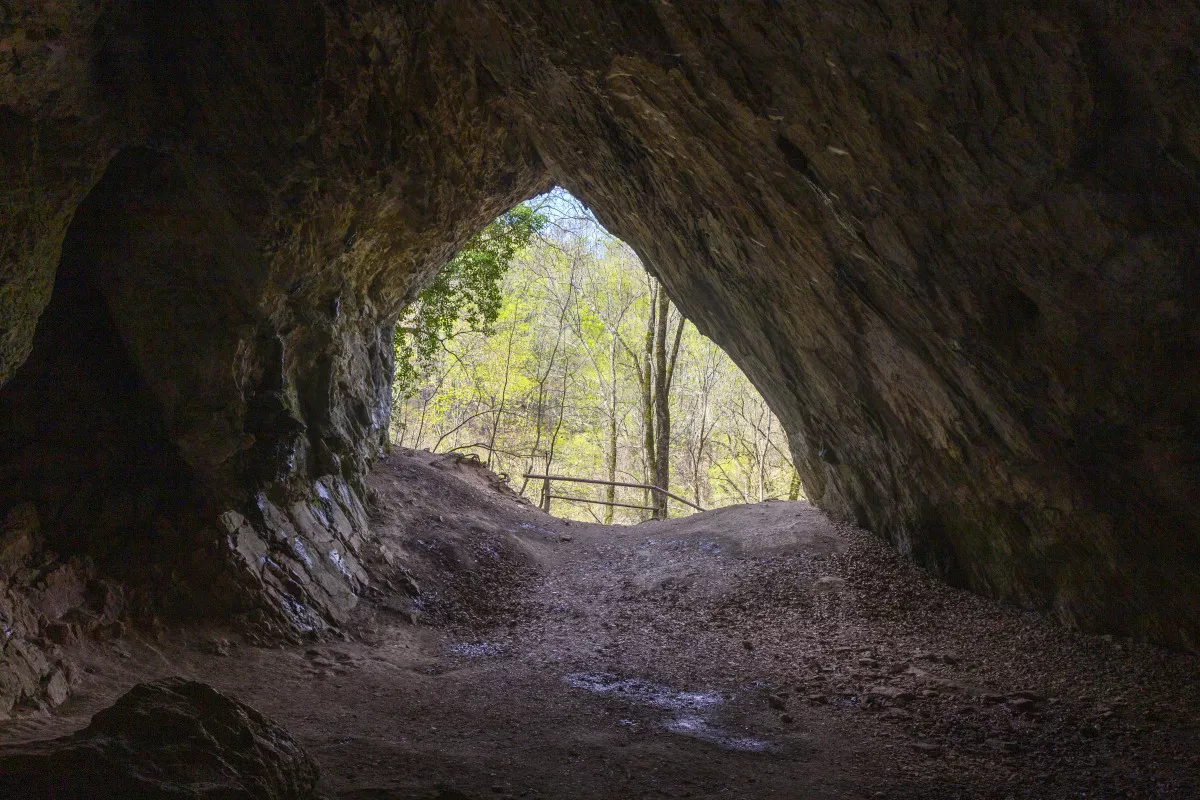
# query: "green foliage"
[465,295]
[555,386]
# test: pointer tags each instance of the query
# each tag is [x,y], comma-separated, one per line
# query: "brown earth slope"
[754,651]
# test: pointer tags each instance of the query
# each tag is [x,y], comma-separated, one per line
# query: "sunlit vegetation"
[556,352]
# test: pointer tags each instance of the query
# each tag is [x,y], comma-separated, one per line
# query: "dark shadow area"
[83,438]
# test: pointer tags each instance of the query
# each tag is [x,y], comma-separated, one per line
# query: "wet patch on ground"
[693,710]
[475,649]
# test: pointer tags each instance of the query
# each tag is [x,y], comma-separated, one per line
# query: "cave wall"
[954,244]
[276,179]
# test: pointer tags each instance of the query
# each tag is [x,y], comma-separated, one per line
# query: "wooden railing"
[546,496]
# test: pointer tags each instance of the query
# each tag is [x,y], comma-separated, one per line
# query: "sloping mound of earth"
[754,651]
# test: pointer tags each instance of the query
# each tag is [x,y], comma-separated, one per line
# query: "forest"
[546,348]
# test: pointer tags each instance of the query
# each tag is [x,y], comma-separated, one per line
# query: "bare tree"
[655,371]
[610,304]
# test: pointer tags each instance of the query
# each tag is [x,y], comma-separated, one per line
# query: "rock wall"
[46,604]
[276,179]
[954,244]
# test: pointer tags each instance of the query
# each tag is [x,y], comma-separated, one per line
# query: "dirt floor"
[751,652]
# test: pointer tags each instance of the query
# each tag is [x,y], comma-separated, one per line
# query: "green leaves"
[529,351]
[465,295]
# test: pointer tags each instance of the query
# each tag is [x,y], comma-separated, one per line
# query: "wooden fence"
[547,496]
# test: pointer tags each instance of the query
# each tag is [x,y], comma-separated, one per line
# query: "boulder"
[171,738]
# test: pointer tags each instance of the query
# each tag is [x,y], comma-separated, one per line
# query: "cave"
[954,245]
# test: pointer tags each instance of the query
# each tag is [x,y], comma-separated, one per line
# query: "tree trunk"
[794,489]
[562,409]
[611,491]
[648,442]
[698,463]
[543,380]
[762,463]
[512,331]
[662,411]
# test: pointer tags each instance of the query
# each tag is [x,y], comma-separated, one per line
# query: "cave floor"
[752,652]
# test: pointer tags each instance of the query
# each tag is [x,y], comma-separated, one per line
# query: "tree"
[664,374]
[704,374]
[466,291]
[655,372]
[607,292]
[588,360]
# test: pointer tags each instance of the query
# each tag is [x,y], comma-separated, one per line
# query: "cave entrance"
[546,350]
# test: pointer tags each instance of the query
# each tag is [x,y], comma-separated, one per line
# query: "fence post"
[546,494]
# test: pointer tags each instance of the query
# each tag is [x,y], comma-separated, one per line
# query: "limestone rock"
[171,738]
[57,688]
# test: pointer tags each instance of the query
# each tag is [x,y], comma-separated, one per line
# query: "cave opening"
[545,349]
[952,245]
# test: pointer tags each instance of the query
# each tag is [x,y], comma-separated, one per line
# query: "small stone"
[1022,705]
[817,698]
[61,633]
[1025,695]
[828,584]
[776,702]
[927,749]
[215,647]
[57,688]
[748,644]
[890,694]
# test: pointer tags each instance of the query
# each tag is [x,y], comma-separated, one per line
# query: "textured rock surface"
[45,604]
[954,244]
[275,186]
[171,738]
